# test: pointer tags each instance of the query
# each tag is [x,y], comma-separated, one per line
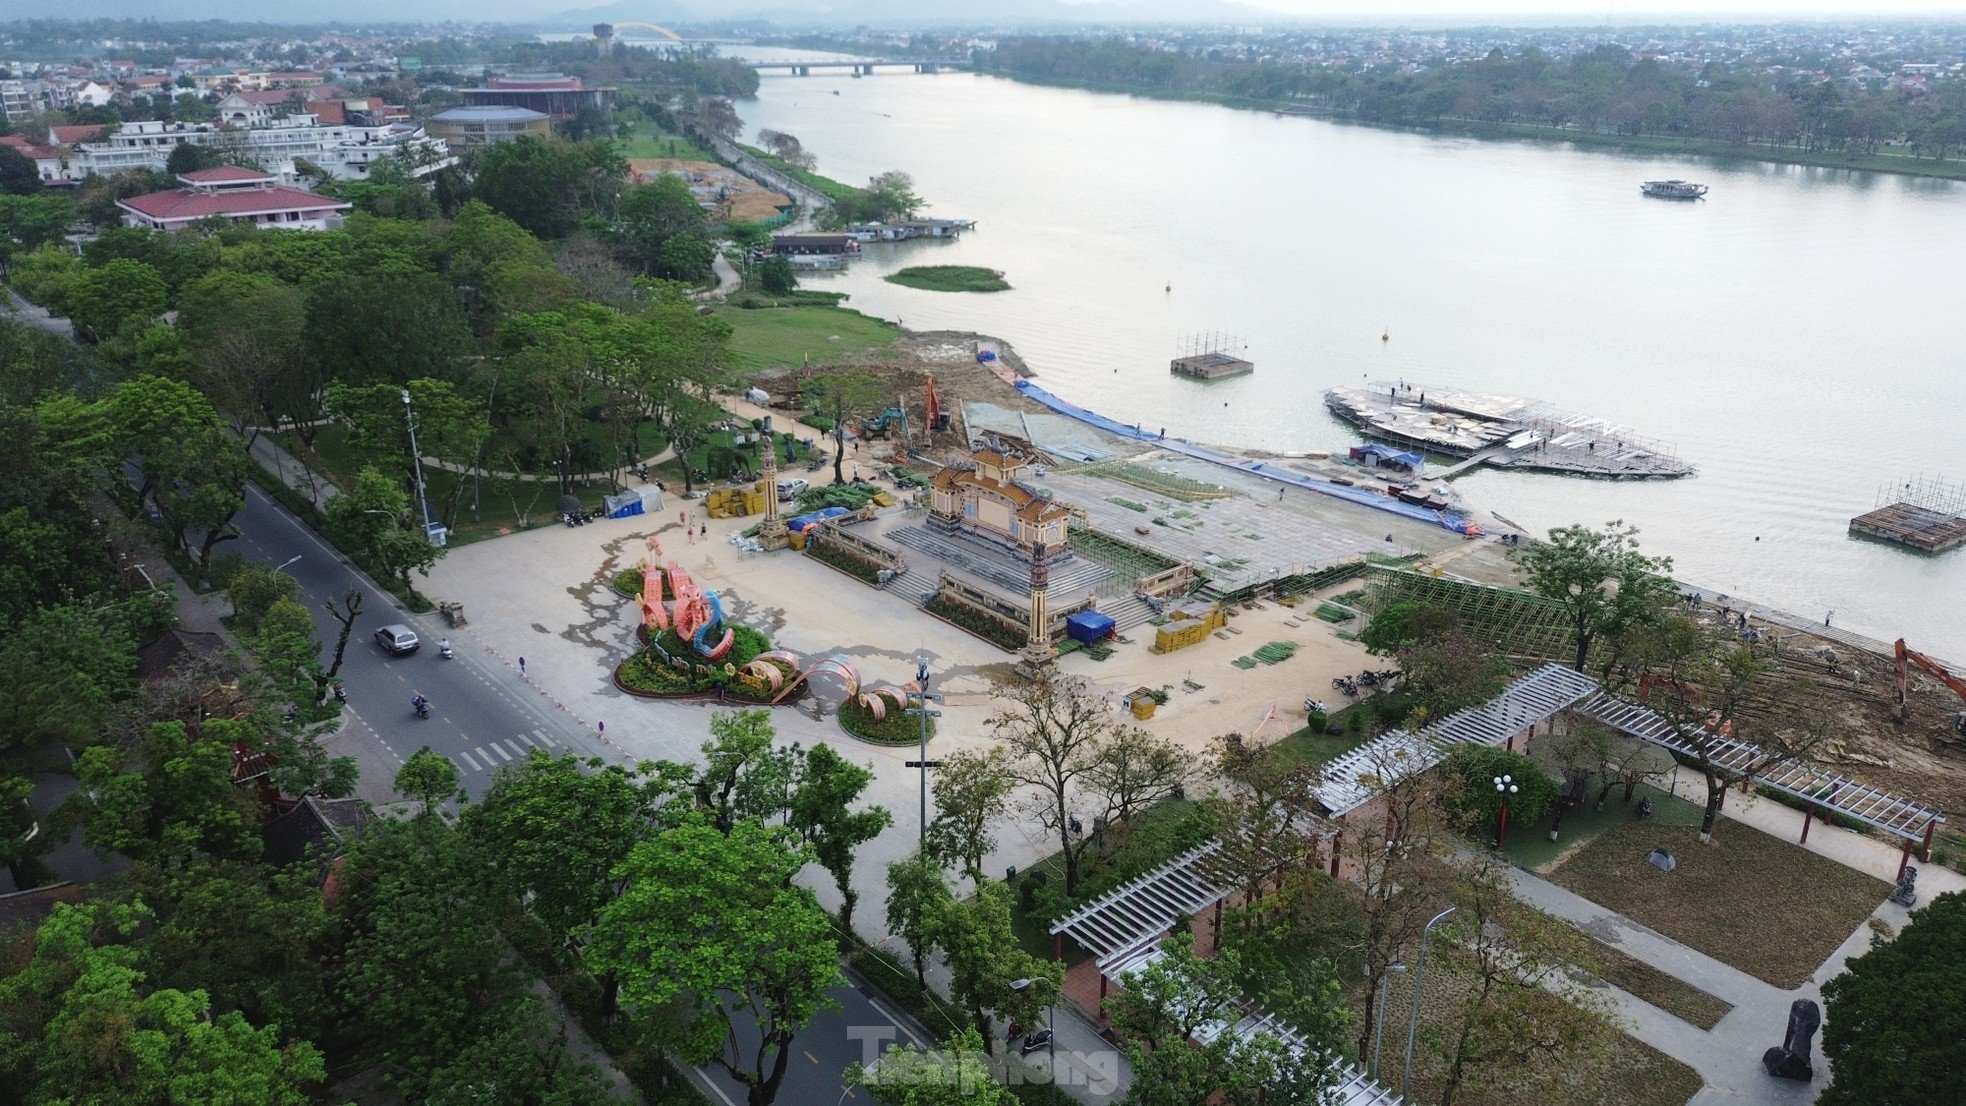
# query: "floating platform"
[1923,514]
[1210,366]
[1502,431]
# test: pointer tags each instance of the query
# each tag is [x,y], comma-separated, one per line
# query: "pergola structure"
[1123,930]
[1822,792]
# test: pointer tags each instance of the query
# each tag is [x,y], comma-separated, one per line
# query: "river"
[1798,335]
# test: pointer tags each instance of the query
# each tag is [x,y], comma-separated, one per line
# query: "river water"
[1799,335]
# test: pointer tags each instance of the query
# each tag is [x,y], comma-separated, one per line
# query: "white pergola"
[1127,923]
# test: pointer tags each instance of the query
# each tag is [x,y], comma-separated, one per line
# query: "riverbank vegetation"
[1605,96]
[950,278]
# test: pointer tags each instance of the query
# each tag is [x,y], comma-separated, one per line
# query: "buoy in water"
[1385,335]
[1170,286]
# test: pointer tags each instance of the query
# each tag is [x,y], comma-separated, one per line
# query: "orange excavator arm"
[1908,656]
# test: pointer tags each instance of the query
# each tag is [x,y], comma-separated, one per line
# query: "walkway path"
[36,316]
[1728,1057]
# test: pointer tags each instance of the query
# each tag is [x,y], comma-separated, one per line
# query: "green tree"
[174,799]
[684,938]
[685,257]
[1605,585]
[193,472]
[990,975]
[653,215]
[430,778]
[1480,801]
[1167,1005]
[1448,671]
[1055,732]
[839,396]
[18,176]
[1404,623]
[956,1074]
[65,666]
[21,848]
[775,275]
[973,791]
[821,810]
[916,898]
[547,185]
[374,518]
[252,590]
[420,314]
[1895,1024]
[102,1038]
[100,300]
[30,222]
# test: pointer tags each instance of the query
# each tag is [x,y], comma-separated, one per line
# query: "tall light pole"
[282,566]
[1419,970]
[416,466]
[1506,787]
[924,764]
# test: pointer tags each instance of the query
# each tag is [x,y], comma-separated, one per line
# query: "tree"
[101,300]
[989,974]
[742,775]
[430,778]
[547,185]
[252,590]
[821,810]
[1895,1025]
[1056,732]
[20,847]
[65,666]
[1136,770]
[193,472]
[1477,798]
[972,793]
[1169,1003]
[956,1074]
[652,216]
[916,897]
[91,1034]
[420,313]
[1604,584]
[685,934]
[1449,670]
[1719,696]
[562,827]
[1405,622]
[776,276]
[18,176]
[344,614]
[1264,813]
[838,396]
[373,518]
[176,799]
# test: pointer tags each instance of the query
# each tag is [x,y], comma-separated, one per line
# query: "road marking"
[466,758]
[524,740]
[499,751]
[895,1019]
[545,742]
[517,748]
[810,1056]
[484,756]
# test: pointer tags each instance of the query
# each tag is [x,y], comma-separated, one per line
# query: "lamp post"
[416,467]
[924,764]
[282,566]
[1505,786]
[1413,1026]
[1379,1023]
[1051,1034]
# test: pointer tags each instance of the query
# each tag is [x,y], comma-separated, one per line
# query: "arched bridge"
[660,31]
[860,66]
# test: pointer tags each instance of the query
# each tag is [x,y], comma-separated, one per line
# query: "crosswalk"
[493,755]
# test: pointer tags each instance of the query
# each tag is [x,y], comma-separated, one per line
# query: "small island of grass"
[950,278]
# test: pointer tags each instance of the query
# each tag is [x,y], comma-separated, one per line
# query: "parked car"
[790,488]
[397,640]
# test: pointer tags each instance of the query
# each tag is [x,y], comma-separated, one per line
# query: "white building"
[345,151]
[239,195]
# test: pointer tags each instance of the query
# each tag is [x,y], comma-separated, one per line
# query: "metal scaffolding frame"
[1518,622]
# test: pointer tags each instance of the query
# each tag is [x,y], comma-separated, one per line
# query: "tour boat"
[1673,189]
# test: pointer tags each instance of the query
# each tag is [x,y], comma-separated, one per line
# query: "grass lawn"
[950,278]
[1530,847]
[825,186]
[1768,907]
[1680,999]
[1154,836]
[1306,747]
[1628,1073]
[648,142]
[767,337]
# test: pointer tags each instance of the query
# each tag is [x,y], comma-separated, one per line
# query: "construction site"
[1928,515]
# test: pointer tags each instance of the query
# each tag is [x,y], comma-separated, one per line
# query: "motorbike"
[340,694]
[444,649]
[422,707]
[1368,677]
[1035,1040]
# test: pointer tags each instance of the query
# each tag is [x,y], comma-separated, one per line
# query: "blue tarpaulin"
[1089,626]
[1381,454]
[799,524]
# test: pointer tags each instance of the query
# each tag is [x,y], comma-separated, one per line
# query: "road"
[485,716]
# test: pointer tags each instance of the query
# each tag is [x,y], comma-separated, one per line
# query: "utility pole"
[416,466]
[924,764]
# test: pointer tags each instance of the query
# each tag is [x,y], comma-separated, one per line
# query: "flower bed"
[898,728]
[837,557]
[995,631]
[651,672]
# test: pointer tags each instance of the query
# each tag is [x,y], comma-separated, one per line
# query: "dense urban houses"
[344,150]
[464,128]
[240,195]
[557,95]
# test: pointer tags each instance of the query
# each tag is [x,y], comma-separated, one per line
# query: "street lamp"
[1505,786]
[1051,1033]
[282,566]
[416,467]
[1379,1023]
[924,764]
[1419,971]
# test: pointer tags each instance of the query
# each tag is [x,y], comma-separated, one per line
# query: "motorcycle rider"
[419,704]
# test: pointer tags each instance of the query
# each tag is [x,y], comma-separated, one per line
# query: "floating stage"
[1925,515]
[1502,431]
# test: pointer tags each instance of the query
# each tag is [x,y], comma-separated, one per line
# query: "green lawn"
[1768,907]
[950,278]
[1530,847]
[648,142]
[825,186]
[1309,748]
[768,337]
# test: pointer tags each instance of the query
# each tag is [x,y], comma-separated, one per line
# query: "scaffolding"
[1517,622]
[1924,513]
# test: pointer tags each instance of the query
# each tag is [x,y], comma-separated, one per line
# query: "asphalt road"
[483,716]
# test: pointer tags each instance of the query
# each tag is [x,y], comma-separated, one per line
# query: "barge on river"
[1503,431]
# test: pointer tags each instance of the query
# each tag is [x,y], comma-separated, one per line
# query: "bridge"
[859,66]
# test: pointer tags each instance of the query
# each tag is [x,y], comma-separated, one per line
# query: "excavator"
[1907,657]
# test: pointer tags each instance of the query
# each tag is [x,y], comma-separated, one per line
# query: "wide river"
[1800,335]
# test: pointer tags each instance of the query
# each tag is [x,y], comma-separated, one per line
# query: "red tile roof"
[328,113]
[84,132]
[192,203]
[17,141]
[223,174]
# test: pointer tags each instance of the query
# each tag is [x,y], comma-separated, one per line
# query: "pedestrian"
[1279,495]
[602,728]
[522,668]
[1827,617]
[682,518]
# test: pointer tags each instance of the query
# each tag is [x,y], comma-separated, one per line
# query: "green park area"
[950,278]
[768,337]
[648,141]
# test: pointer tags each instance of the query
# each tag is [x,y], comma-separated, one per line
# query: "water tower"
[603,38]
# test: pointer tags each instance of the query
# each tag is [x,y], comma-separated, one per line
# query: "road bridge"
[859,66]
